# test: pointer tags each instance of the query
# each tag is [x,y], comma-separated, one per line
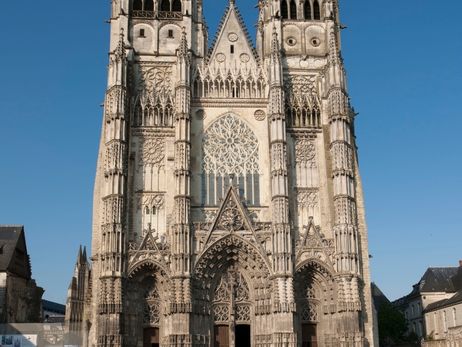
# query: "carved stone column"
[181,237]
[112,252]
[282,240]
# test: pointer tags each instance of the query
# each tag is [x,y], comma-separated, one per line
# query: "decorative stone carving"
[231,218]
[260,115]
[233,37]
[307,199]
[156,80]
[152,152]
[305,152]
[230,147]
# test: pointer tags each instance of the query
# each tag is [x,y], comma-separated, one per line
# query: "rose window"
[230,157]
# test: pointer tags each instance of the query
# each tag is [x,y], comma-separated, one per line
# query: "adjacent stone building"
[443,318]
[228,206]
[20,297]
[437,288]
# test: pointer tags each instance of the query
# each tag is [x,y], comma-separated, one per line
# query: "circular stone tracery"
[230,147]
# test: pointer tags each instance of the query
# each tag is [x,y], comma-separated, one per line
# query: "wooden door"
[309,336]
[221,338]
[151,337]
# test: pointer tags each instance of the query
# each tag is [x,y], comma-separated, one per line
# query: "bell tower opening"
[309,335]
[151,337]
[243,335]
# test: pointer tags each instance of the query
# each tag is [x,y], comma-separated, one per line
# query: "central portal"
[243,335]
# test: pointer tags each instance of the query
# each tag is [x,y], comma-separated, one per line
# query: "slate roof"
[54,307]
[455,299]
[378,297]
[438,279]
[13,252]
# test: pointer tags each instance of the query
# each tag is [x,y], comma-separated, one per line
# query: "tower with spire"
[228,206]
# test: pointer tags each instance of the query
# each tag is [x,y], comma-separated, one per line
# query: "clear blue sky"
[404,68]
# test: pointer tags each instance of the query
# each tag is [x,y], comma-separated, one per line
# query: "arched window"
[176,7]
[165,5]
[293,10]
[230,158]
[307,10]
[149,5]
[284,9]
[147,210]
[316,10]
[137,5]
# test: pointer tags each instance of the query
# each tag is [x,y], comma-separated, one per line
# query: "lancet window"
[312,10]
[159,113]
[170,9]
[303,112]
[143,8]
[284,10]
[246,85]
[230,158]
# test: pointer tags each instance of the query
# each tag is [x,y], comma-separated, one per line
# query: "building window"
[284,10]
[231,49]
[293,10]
[149,5]
[454,316]
[137,5]
[445,322]
[165,5]
[316,10]
[143,8]
[307,10]
[142,33]
[176,7]
[230,158]
[170,34]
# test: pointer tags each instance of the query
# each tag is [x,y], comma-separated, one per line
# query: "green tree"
[392,325]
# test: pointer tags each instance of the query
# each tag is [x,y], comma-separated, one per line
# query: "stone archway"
[146,298]
[315,297]
[228,274]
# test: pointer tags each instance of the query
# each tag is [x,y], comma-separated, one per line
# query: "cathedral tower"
[228,206]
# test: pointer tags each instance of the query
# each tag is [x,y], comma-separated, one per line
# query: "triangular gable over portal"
[232,217]
[232,41]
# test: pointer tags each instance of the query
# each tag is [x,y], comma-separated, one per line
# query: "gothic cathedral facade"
[228,207]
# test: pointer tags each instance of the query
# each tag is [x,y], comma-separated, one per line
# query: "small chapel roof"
[13,252]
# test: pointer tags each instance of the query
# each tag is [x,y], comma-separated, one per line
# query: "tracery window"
[170,9]
[143,8]
[230,157]
[159,114]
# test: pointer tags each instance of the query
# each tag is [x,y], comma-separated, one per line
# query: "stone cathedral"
[228,207]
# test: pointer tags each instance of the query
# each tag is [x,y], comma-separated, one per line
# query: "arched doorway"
[230,273]
[232,310]
[315,296]
[147,292]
